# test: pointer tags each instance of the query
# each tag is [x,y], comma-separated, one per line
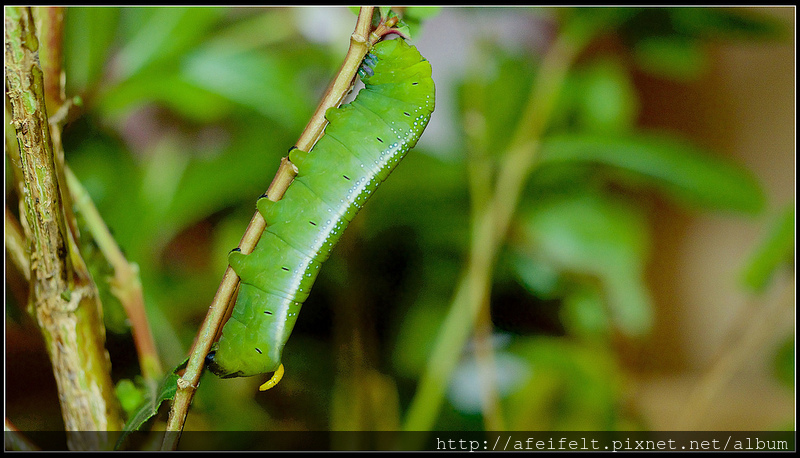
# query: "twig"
[16,440]
[746,335]
[489,229]
[16,246]
[360,42]
[125,285]
[479,173]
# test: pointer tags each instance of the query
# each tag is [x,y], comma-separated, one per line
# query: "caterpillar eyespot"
[277,276]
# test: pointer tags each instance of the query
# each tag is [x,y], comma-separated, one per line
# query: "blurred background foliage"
[186,113]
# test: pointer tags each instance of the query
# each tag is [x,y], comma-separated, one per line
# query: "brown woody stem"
[64,301]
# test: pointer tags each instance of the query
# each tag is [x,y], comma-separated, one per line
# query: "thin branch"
[16,440]
[16,246]
[360,41]
[479,174]
[489,228]
[744,338]
[125,285]
[342,83]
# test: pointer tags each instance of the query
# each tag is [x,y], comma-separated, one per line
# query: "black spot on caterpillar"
[395,105]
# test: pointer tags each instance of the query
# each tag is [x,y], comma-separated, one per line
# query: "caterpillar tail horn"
[276,377]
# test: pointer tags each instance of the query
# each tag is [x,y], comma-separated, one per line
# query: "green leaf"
[584,23]
[776,250]
[601,238]
[540,277]
[417,336]
[263,82]
[220,178]
[165,86]
[584,312]
[677,168]
[784,363]
[413,16]
[490,102]
[114,316]
[89,33]
[421,12]
[570,387]
[604,97]
[249,31]
[149,408]
[588,233]
[164,34]
[672,57]
[130,396]
[726,23]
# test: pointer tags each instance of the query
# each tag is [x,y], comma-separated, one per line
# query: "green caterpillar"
[362,144]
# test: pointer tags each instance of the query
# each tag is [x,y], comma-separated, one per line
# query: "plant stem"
[489,227]
[16,246]
[50,27]
[343,81]
[125,285]
[753,328]
[479,173]
[187,385]
[16,441]
[63,298]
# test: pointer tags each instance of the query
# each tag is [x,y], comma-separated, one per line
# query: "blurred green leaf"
[115,317]
[414,16]
[491,102]
[130,396]
[249,32]
[417,334]
[588,233]
[571,387]
[669,42]
[166,33]
[165,86]
[540,277]
[600,237]
[784,363]
[242,167]
[587,22]
[260,81]
[672,57]
[726,23]
[676,167]
[584,312]
[109,173]
[89,33]
[608,101]
[776,250]
[421,12]
[598,97]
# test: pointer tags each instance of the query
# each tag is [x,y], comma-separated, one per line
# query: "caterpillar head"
[213,366]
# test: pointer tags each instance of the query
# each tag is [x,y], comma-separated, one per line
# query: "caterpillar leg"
[276,377]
